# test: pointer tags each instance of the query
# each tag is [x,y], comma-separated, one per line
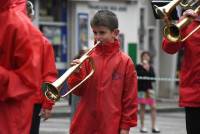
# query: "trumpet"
[188,3]
[52,90]
[172,31]
[167,9]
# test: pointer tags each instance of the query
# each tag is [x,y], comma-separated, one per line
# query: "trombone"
[52,90]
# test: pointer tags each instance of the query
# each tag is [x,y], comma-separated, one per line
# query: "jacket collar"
[108,48]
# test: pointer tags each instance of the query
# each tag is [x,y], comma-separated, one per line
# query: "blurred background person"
[146,95]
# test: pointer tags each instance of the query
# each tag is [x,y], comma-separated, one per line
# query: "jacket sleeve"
[171,48]
[23,78]
[129,98]
[49,71]
[77,77]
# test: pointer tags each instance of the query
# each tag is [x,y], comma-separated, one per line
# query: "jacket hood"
[19,5]
[5,4]
[108,48]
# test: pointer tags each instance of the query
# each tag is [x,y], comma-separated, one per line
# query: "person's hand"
[123,131]
[190,13]
[46,113]
[75,62]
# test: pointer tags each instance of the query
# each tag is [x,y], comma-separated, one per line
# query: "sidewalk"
[62,108]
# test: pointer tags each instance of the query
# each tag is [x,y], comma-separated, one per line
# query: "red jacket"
[19,69]
[190,68]
[109,97]
[49,73]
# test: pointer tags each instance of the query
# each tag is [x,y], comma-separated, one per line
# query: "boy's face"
[104,34]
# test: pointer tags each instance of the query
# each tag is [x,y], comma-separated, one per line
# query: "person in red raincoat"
[20,69]
[108,103]
[189,89]
[49,74]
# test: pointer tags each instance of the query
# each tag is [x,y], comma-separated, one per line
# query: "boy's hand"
[123,131]
[75,62]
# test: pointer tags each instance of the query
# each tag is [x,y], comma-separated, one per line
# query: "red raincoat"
[19,69]
[49,73]
[190,69]
[109,98]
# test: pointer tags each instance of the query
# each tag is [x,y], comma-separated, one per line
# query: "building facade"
[66,23]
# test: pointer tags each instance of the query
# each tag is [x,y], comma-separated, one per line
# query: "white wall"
[128,18]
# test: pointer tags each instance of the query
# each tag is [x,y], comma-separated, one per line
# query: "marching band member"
[108,103]
[20,46]
[49,74]
[190,71]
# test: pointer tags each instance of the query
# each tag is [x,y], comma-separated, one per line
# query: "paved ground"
[169,123]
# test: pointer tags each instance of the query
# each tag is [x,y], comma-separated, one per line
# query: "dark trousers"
[36,119]
[192,120]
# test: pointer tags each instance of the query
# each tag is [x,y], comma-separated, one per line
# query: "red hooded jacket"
[190,68]
[19,69]
[49,73]
[109,98]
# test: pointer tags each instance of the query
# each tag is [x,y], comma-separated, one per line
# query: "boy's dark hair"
[105,18]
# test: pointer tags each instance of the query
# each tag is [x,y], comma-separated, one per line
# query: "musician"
[20,68]
[108,102]
[49,74]
[190,72]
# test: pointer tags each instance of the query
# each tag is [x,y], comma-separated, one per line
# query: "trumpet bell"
[172,33]
[50,91]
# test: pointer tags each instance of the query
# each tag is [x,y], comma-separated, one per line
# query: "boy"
[108,102]
[190,72]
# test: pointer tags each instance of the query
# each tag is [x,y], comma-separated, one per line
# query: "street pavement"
[168,122]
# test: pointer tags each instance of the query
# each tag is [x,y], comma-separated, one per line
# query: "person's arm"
[171,47]
[23,78]
[129,98]
[49,72]
[77,77]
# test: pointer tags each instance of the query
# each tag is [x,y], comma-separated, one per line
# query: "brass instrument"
[188,3]
[167,9]
[172,31]
[52,90]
